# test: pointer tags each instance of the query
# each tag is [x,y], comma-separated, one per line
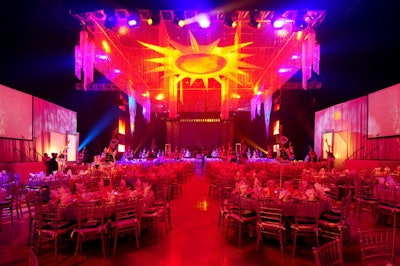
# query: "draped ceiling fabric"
[250,62]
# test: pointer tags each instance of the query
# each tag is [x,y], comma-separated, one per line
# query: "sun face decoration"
[201,61]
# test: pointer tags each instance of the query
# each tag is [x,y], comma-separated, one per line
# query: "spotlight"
[278,21]
[229,20]
[300,22]
[111,19]
[203,20]
[133,19]
[179,18]
[155,18]
[253,19]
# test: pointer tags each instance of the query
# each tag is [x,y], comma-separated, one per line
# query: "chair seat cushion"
[125,223]
[152,209]
[248,213]
[330,217]
[270,225]
[90,224]
[60,225]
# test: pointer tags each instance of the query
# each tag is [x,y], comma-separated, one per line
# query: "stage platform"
[363,164]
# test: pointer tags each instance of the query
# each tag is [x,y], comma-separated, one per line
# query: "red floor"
[194,240]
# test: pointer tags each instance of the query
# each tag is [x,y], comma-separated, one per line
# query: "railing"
[353,154]
[370,152]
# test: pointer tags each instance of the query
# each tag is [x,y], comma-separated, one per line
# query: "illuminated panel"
[73,140]
[276,127]
[121,126]
[121,147]
[15,114]
[200,120]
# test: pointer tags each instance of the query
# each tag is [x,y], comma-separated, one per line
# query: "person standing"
[53,164]
[46,160]
[312,155]
[290,151]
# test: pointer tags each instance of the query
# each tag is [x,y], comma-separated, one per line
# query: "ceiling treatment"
[177,69]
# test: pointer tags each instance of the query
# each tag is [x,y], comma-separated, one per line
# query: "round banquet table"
[69,212]
[289,207]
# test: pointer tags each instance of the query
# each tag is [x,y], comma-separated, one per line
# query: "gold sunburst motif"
[201,61]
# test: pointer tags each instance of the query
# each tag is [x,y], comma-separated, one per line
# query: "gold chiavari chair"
[377,246]
[306,222]
[329,254]
[91,224]
[239,216]
[270,222]
[126,220]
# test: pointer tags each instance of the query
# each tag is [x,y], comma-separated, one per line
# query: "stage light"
[278,23]
[154,20]
[229,21]
[133,19]
[278,20]
[179,18]
[253,19]
[123,30]
[300,22]
[111,19]
[203,20]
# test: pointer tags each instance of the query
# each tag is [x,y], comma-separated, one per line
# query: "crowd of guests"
[228,152]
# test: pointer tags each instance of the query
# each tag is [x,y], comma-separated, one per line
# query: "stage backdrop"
[345,127]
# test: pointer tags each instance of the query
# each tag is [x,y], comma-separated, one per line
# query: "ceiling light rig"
[204,20]
[154,19]
[133,19]
[230,20]
[300,21]
[278,21]
[111,20]
[254,14]
[179,19]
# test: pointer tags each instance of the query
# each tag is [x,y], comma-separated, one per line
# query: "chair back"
[386,195]
[237,211]
[269,211]
[234,204]
[329,254]
[161,194]
[308,213]
[30,200]
[45,213]
[126,209]
[222,197]
[377,246]
[90,214]
[346,206]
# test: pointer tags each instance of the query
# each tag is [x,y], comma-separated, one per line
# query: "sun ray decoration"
[201,61]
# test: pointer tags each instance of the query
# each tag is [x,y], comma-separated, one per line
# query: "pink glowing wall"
[348,124]
[47,117]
